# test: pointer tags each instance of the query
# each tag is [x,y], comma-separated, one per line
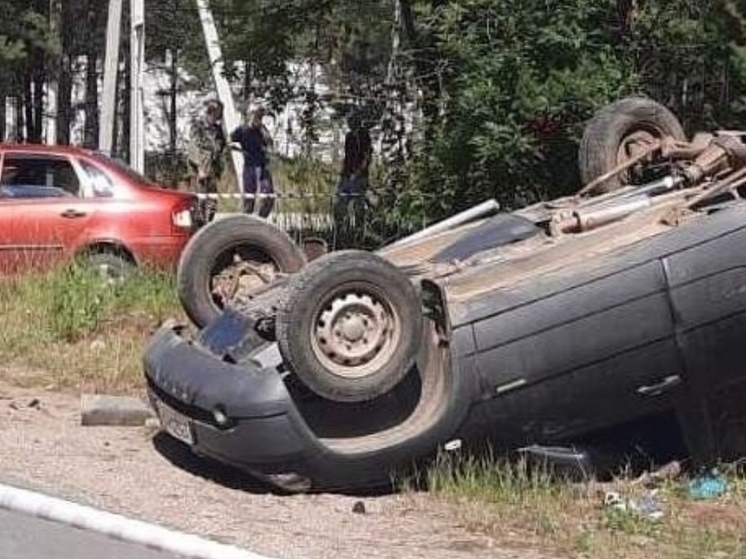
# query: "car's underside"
[335,372]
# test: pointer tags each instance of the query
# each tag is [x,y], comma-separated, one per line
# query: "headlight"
[220,418]
[183,219]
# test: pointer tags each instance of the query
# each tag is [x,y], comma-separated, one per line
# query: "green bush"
[518,80]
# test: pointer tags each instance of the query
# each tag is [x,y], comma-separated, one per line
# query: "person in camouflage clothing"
[205,156]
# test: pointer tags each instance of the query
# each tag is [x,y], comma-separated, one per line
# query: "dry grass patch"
[521,506]
[72,329]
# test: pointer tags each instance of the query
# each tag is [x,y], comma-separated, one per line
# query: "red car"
[58,203]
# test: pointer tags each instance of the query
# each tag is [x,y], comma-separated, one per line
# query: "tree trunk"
[64,93]
[172,117]
[36,61]
[3,116]
[91,102]
[28,107]
[126,102]
[38,106]
[424,64]
[20,124]
[115,140]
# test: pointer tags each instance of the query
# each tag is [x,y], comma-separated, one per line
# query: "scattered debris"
[647,506]
[614,500]
[113,411]
[709,485]
[358,507]
[669,472]
[453,446]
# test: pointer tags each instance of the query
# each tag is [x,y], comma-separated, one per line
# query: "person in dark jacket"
[353,181]
[255,140]
[205,156]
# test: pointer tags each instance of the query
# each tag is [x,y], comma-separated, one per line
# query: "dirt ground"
[135,472]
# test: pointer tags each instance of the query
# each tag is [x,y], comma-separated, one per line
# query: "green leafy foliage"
[521,78]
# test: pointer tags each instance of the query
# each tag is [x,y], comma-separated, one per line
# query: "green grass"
[522,506]
[71,328]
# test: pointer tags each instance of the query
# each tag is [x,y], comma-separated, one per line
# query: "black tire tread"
[305,290]
[198,258]
[604,132]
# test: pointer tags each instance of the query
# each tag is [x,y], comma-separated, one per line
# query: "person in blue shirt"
[255,140]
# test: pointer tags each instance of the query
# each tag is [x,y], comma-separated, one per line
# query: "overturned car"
[539,327]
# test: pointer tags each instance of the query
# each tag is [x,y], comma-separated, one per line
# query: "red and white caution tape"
[276,195]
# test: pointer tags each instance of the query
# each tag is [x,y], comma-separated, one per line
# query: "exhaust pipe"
[482,210]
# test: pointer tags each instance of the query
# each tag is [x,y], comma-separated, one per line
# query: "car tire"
[111,266]
[208,254]
[611,137]
[350,326]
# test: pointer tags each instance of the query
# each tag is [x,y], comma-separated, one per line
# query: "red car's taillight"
[182,218]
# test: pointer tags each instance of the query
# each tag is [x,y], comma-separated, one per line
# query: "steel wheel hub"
[353,333]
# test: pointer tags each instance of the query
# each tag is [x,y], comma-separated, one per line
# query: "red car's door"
[41,212]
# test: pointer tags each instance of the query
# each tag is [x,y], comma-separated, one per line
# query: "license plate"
[175,424]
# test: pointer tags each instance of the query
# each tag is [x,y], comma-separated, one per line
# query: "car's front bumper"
[243,414]
[239,414]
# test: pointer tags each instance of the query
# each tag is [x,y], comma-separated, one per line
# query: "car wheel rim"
[355,334]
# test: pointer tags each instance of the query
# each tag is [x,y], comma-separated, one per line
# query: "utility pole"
[111,65]
[230,117]
[137,119]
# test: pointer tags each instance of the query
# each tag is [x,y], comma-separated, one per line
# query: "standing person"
[353,183]
[205,156]
[255,140]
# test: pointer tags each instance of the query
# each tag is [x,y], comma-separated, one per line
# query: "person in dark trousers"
[255,140]
[353,182]
[205,156]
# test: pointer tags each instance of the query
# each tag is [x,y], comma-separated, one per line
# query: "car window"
[125,169]
[102,185]
[38,176]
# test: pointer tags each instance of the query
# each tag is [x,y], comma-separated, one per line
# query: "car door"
[569,354]
[708,293]
[42,209]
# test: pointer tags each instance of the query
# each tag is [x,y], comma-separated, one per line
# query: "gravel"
[139,473]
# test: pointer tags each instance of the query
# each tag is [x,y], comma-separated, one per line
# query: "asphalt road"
[27,537]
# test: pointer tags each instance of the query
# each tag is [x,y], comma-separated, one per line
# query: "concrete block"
[113,410]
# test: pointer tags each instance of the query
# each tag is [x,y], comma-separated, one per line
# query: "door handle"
[72,214]
[657,389]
